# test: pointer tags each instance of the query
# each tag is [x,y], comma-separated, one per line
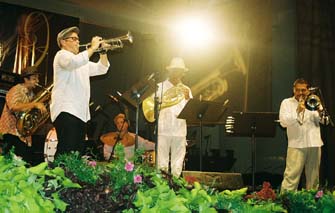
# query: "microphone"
[98,108]
[225,102]
[313,88]
[114,98]
[151,76]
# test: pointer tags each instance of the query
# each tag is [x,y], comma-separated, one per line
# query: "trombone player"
[71,93]
[304,138]
[172,130]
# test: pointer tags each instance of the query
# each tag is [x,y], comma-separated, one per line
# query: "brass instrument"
[171,97]
[312,102]
[29,121]
[115,43]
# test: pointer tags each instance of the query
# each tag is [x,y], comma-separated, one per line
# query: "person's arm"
[104,59]
[95,44]
[16,104]
[321,117]
[287,115]
[21,107]
[145,144]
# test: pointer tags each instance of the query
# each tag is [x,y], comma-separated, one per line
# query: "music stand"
[252,124]
[136,94]
[198,112]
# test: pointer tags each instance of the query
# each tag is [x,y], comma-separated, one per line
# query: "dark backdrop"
[316,62]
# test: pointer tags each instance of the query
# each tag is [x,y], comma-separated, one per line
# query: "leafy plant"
[31,190]
[84,169]
[125,175]
[309,201]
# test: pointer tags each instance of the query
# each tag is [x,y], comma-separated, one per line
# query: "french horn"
[171,97]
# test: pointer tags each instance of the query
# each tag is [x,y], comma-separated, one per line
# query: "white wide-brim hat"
[177,63]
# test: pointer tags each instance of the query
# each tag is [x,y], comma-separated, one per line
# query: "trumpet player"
[172,130]
[71,93]
[19,99]
[304,138]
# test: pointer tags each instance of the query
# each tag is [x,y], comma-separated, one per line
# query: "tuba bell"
[171,97]
[29,121]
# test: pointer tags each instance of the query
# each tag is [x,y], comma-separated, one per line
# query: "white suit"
[304,145]
[171,134]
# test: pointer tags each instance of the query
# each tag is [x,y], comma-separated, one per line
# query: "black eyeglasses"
[72,38]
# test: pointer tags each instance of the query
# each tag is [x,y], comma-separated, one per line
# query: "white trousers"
[297,159]
[177,146]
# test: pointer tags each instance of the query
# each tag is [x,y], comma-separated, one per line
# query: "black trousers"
[70,133]
[20,148]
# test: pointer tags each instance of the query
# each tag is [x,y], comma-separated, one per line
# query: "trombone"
[115,43]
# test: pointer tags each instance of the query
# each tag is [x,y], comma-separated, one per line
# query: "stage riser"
[217,180]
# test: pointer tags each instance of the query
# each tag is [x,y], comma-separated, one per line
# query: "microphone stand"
[118,138]
[325,111]
[156,116]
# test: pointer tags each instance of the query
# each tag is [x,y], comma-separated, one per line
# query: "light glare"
[194,32]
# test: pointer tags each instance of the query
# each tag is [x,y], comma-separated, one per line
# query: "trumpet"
[115,43]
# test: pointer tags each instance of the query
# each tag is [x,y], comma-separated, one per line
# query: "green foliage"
[160,198]
[24,190]
[309,201]
[123,173]
[230,200]
[80,167]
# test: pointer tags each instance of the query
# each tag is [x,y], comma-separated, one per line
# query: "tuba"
[29,121]
[171,97]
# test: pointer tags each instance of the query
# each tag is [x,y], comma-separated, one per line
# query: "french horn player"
[19,99]
[172,130]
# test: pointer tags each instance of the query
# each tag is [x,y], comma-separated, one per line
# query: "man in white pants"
[304,139]
[171,130]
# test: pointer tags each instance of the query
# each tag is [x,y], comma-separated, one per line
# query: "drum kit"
[51,142]
[50,145]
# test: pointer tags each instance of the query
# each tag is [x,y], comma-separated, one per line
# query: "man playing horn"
[19,99]
[71,93]
[172,130]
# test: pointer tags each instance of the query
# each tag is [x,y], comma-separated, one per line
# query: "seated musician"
[127,139]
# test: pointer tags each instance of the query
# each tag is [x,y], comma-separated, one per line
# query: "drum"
[50,145]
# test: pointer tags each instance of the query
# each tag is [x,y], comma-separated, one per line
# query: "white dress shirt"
[71,91]
[303,129]
[168,123]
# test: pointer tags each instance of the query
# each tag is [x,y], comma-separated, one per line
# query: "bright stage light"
[193,32]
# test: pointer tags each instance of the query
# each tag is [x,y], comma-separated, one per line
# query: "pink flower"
[92,163]
[319,194]
[129,166]
[137,179]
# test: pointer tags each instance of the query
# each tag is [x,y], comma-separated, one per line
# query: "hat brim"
[169,68]
[61,35]
[29,74]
